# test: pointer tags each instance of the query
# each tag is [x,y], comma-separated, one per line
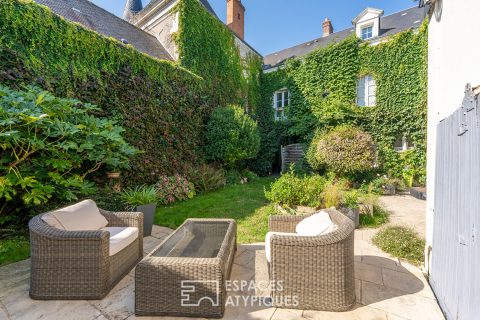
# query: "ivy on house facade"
[207,47]
[323,91]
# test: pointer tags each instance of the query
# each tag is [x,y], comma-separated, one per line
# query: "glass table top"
[195,239]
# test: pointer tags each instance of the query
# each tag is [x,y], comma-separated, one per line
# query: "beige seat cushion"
[78,217]
[121,237]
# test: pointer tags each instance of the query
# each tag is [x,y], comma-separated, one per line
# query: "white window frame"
[367,33]
[406,145]
[366,91]
[284,102]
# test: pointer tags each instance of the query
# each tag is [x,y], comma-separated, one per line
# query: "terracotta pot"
[113,175]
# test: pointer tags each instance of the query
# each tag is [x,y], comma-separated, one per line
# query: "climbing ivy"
[161,105]
[322,87]
[208,48]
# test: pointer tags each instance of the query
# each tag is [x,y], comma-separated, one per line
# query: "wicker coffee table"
[185,275]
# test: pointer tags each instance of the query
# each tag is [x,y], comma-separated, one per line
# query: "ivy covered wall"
[323,84]
[161,105]
[208,48]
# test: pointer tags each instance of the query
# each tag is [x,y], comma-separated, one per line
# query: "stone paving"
[407,211]
[386,289]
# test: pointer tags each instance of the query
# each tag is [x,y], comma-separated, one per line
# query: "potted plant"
[350,207]
[142,199]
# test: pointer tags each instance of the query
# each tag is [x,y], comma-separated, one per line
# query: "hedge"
[162,106]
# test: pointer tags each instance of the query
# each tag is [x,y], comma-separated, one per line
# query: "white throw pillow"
[315,225]
[80,216]
[52,221]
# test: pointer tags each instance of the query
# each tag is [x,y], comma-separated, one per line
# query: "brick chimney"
[327,27]
[236,17]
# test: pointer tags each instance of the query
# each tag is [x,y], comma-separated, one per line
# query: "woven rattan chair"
[71,265]
[312,273]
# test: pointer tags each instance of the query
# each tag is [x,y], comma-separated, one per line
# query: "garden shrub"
[231,136]
[49,147]
[343,150]
[162,106]
[233,177]
[292,190]
[174,188]
[206,178]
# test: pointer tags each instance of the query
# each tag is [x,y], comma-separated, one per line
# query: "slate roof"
[206,4]
[153,3]
[95,18]
[390,25]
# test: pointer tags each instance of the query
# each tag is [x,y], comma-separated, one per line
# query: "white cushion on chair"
[52,221]
[316,225]
[80,216]
[268,244]
[120,238]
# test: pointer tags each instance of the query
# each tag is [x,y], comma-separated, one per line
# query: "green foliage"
[292,190]
[401,242]
[233,177]
[49,146]
[174,188]
[14,249]
[138,196]
[161,105]
[207,178]
[351,199]
[231,136]
[245,203]
[322,88]
[105,198]
[207,47]
[272,133]
[376,219]
[344,150]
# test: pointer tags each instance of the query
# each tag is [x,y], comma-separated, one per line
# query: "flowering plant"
[174,188]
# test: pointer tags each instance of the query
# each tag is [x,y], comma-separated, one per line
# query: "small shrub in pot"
[142,199]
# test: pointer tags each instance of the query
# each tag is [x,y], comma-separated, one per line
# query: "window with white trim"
[367,32]
[366,92]
[403,144]
[281,99]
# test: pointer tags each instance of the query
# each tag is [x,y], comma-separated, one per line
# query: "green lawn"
[12,250]
[244,203]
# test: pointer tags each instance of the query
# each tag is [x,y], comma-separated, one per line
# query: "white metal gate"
[455,270]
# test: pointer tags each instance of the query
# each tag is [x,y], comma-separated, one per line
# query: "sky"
[273,25]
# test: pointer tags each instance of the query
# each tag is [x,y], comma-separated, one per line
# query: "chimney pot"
[327,27]
[236,17]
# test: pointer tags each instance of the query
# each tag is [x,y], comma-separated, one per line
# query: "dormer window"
[367,23]
[367,32]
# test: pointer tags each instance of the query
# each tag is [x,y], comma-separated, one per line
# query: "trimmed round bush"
[344,150]
[231,136]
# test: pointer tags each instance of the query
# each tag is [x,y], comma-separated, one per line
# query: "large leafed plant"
[49,146]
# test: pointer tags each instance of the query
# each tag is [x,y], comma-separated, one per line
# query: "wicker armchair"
[318,272]
[71,265]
